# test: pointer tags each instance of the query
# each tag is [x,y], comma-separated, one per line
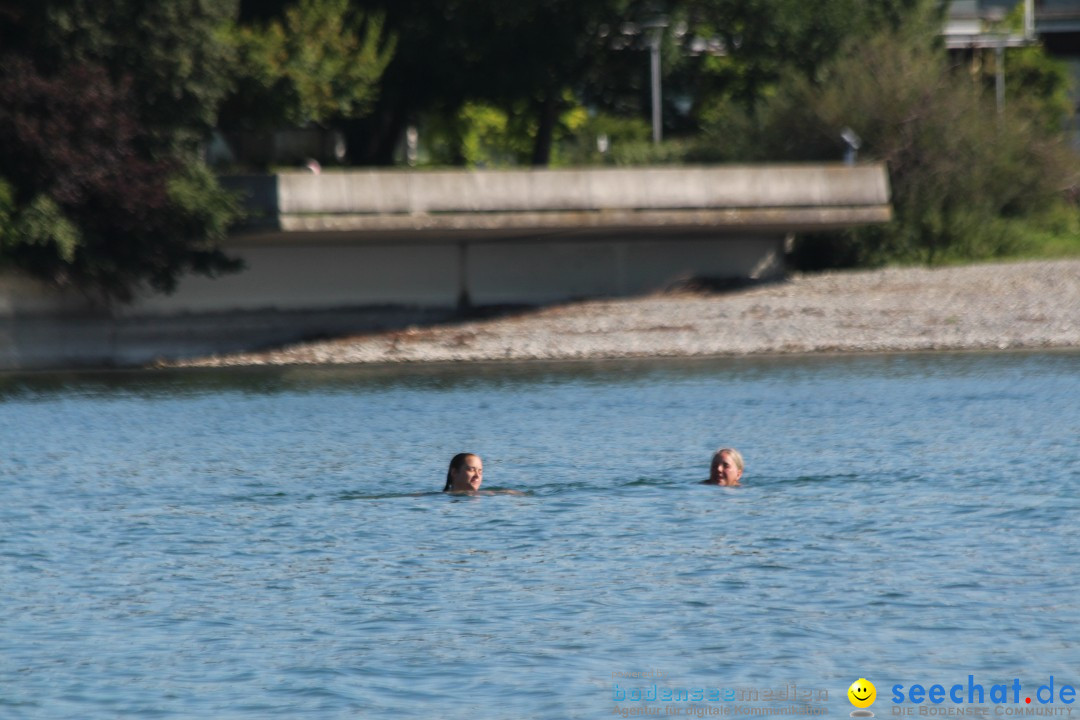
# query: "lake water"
[272,543]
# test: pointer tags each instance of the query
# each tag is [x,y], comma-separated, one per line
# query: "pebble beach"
[993,306]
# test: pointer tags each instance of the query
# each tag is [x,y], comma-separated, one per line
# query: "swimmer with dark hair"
[726,468]
[466,474]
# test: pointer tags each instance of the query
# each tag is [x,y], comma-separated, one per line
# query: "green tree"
[762,42]
[525,58]
[544,54]
[960,172]
[319,63]
[103,106]
[173,53]
[432,69]
[541,58]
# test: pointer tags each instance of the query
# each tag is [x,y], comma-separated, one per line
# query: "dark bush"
[88,204]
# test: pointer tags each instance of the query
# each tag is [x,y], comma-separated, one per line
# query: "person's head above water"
[726,468]
[465,474]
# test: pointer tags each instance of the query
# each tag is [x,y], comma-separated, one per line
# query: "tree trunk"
[548,114]
[373,140]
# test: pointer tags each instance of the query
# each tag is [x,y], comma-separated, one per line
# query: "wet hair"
[455,464]
[736,457]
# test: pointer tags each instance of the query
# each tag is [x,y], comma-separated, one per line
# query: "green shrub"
[961,173]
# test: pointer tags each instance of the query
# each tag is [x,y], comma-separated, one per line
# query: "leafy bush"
[603,138]
[85,202]
[961,173]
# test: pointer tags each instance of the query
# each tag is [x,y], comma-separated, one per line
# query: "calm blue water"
[269,544]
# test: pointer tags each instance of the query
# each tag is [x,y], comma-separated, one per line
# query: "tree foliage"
[959,170]
[524,58]
[173,54]
[102,189]
[541,58]
[320,62]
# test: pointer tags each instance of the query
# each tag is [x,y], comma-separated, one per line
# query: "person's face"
[725,471]
[469,475]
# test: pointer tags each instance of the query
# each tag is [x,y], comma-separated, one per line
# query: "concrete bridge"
[439,238]
[349,251]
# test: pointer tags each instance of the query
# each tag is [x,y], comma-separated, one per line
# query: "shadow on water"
[273,380]
[544,490]
[349,496]
[533,491]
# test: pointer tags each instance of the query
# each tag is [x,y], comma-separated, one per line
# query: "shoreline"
[1027,305]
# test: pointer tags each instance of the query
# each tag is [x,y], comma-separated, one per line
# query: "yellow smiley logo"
[862,693]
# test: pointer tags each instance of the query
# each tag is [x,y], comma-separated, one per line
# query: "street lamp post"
[655,28]
[999,68]
[995,16]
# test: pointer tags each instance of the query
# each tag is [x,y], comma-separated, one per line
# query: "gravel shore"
[989,306]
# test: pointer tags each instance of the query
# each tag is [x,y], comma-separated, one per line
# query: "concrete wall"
[416,192]
[97,338]
[749,198]
[290,293]
[320,277]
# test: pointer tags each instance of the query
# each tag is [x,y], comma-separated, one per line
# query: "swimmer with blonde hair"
[726,468]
